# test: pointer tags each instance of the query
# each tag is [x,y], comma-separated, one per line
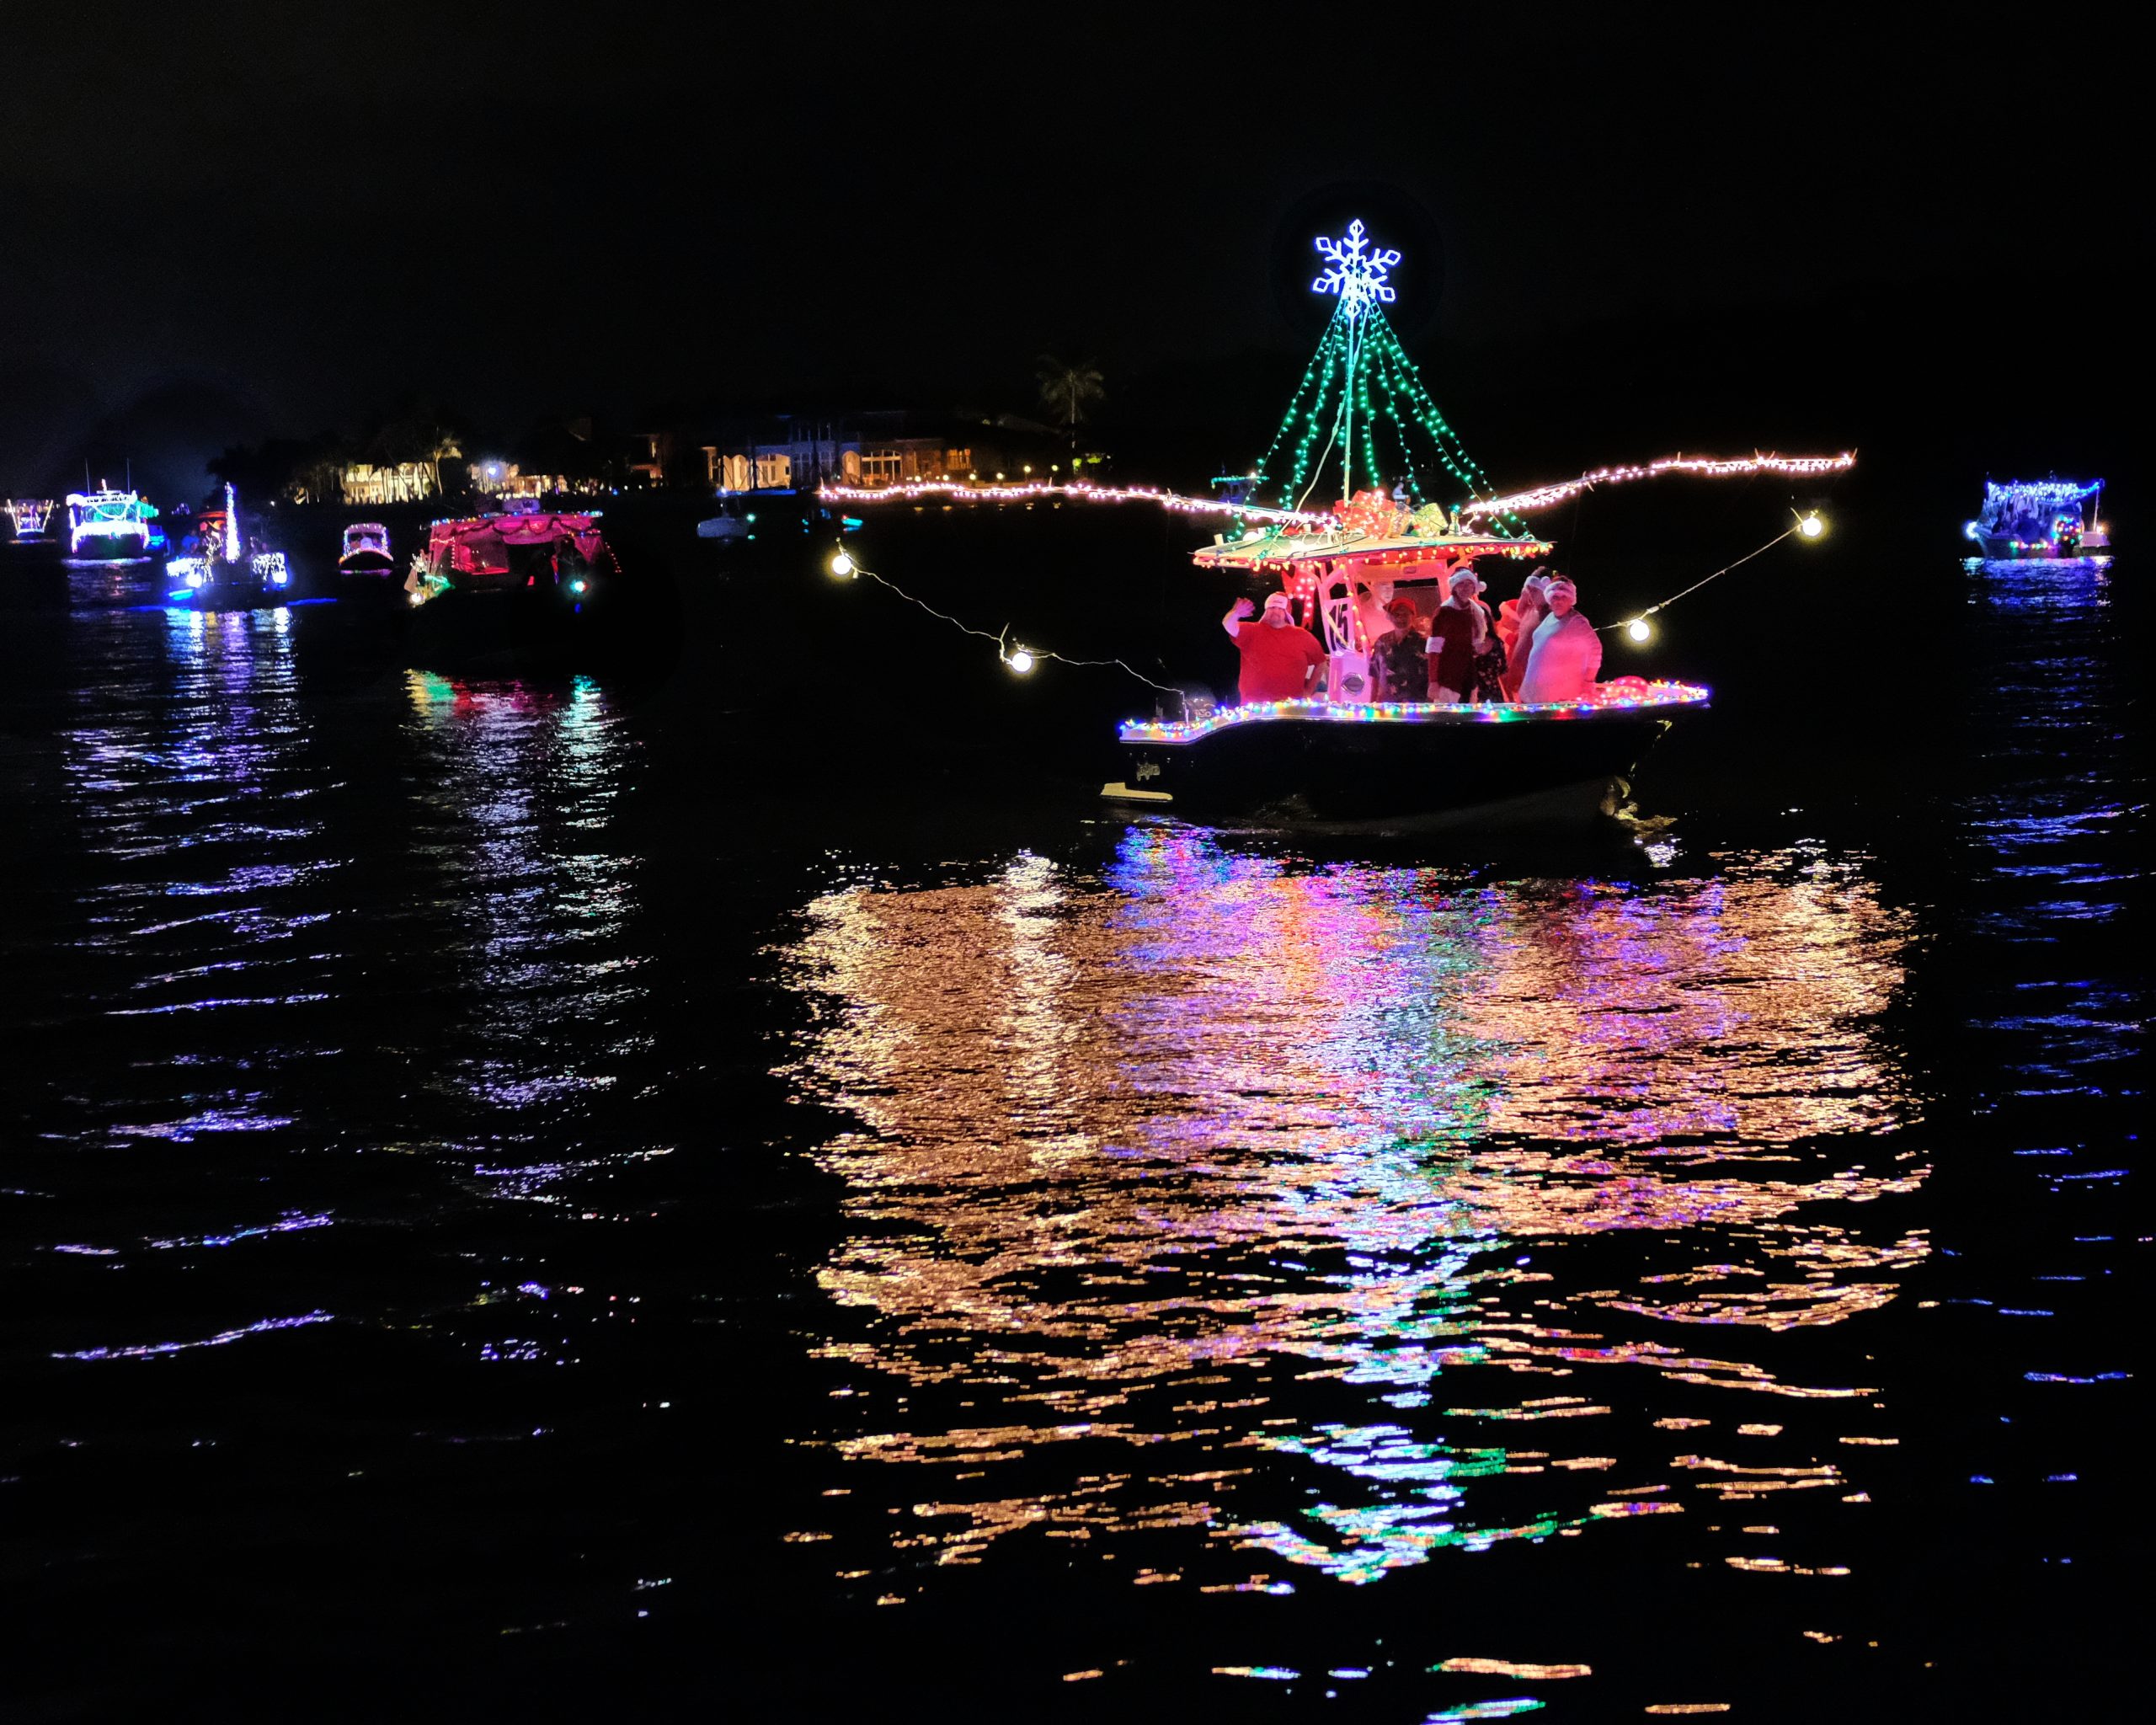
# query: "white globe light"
[1637,629]
[842,566]
[1021,661]
[1812,527]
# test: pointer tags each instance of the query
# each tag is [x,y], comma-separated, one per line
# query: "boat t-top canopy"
[1339,571]
[2034,498]
[1350,550]
[108,514]
[1373,537]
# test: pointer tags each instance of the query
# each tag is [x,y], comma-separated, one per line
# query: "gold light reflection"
[1151,1164]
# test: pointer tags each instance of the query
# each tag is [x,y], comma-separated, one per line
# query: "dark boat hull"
[2087,548]
[1546,767]
[379,586]
[230,596]
[110,547]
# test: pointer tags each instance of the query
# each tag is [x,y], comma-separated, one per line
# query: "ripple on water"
[1345,1217]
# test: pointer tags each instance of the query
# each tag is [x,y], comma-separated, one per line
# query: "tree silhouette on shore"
[1068,390]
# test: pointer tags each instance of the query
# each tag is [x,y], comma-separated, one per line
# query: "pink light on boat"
[1623,693]
[1700,466]
[1077,491]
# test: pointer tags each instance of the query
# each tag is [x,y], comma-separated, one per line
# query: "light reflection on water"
[1196,1215]
[1232,1183]
[514,800]
[229,898]
[195,802]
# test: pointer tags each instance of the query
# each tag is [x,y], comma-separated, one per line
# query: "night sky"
[227,222]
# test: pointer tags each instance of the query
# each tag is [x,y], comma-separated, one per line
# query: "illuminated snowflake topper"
[1357,278]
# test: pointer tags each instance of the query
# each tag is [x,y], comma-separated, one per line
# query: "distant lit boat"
[365,550]
[546,557]
[30,517]
[221,568]
[735,525]
[729,526]
[1348,763]
[2051,518]
[111,524]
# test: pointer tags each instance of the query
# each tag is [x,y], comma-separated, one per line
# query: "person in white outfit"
[1566,653]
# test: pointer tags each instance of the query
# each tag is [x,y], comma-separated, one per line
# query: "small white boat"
[365,550]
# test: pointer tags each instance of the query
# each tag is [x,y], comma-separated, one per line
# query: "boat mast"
[1359,277]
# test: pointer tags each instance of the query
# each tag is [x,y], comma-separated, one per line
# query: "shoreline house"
[368,484]
[875,448]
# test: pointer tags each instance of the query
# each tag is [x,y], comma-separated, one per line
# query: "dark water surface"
[508,1205]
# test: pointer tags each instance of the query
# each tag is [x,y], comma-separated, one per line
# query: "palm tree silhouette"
[1067,391]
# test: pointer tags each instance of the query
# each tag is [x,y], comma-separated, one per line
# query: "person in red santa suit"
[1467,659]
[1280,662]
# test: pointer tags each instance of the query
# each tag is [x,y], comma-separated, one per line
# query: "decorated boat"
[558,560]
[1343,758]
[28,517]
[364,550]
[108,524]
[2052,518]
[222,567]
[1350,761]
[731,525]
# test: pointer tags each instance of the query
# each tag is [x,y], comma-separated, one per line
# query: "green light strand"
[1403,374]
[1396,386]
[1321,418]
[1316,377]
[1400,405]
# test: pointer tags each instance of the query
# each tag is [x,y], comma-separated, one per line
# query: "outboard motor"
[1189,703]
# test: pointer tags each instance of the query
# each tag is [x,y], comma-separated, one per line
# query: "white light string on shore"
[1809,526]
[1022,659]
[1700,466]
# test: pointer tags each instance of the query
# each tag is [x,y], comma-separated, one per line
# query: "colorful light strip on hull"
[1624,695]
[1699,466]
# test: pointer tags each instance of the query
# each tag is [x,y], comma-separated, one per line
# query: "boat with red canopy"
[554,557]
